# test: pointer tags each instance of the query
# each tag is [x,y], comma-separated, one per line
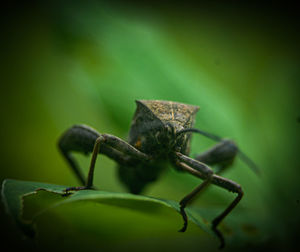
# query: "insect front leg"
[225,183]
[207,174]
[84,139]
[222,154]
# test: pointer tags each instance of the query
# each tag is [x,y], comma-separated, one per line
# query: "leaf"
[13,193]
[109,220]
[27,201]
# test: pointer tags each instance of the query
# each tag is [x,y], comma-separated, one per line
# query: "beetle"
[160,131]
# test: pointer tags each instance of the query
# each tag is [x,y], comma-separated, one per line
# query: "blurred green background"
[74,62]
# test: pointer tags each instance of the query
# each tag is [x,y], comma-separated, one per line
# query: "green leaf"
[27,201]
[13,193]
[89,217]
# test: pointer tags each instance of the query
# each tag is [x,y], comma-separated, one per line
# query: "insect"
[160,132]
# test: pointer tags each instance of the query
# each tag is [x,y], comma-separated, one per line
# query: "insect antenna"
[249,162]
[241,154]
[209,135]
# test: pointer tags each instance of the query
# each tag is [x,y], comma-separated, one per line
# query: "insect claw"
[220,236]
[75,188]
[185,221]
[66,194]
[183,229]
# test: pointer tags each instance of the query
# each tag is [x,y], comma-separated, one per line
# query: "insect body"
[160,131]
[153,132]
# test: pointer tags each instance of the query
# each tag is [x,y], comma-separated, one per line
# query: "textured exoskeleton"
[160,132]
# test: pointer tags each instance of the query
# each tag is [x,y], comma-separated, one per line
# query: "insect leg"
[119,146]
[207,174]
[222,154]
[224,183]
[81,138]
[222,150]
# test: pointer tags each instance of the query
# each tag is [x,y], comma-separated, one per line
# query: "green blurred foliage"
[69,63]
